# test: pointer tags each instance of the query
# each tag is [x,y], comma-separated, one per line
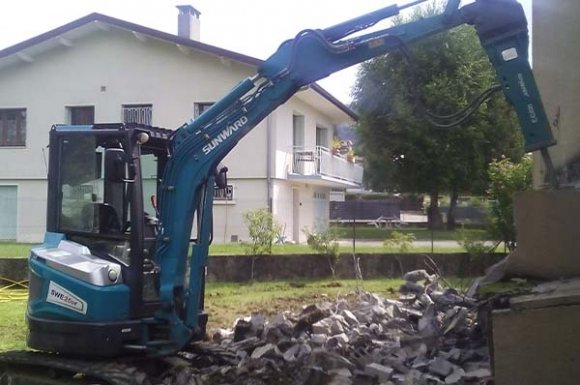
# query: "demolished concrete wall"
[548,234]
[556,34]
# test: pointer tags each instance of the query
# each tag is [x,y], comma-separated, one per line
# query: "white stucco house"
[99,69]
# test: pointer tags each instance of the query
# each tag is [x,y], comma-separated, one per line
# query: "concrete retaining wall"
[238,268]
[14,269]
[284,267]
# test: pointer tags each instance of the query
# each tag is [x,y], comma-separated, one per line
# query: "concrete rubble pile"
[429,335]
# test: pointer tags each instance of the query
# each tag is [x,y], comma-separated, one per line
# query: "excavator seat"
[108,219]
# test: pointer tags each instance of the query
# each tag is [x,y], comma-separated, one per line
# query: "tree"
[403,152]
[262,229]
[507,178]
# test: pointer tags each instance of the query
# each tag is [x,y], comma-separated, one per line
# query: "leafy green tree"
[507,178]
[403,152]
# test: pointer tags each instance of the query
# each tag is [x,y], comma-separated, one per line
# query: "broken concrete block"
[412,288]
[349,317]
[290,354]
[329,360]
[478,374]
[455,377]
[339,380]
[378,312]
[262,351]
[338,341]
[309,316]
[220,335]
[382,372]
[417,275]
[398,323]
[449,298]
[547,223]
[304,350]
[321,327]
[318,339]
[372,298]
[344,372]
[440,367]
[362,378]
[337,324]
[362,316]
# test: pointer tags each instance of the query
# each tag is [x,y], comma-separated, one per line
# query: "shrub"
[325,242]
[472,243]
[507,178]
[403,241]
[262,230]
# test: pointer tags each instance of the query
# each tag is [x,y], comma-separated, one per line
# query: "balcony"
[317,165]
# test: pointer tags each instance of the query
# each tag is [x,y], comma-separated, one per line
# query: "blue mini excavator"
[118,281]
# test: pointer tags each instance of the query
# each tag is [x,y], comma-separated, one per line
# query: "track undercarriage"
[32,368]
[36,368]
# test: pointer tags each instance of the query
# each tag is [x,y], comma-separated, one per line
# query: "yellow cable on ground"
[14,291]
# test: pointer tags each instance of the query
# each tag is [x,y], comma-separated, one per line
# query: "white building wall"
[30,208]
[107,69]
[249,195]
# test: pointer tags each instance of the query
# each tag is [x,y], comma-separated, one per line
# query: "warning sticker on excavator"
[60,296]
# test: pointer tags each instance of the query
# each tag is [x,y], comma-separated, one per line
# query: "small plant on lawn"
[325,242]
[403,241]
[262,230]
[472,243]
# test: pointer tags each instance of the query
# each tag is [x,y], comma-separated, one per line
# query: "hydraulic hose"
[13,290]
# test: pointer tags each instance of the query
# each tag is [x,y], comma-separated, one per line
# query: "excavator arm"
[198,147]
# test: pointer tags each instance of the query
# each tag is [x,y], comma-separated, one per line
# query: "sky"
[251,27]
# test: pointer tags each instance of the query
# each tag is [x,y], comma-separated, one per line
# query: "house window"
[224,194]
[200,108]
[81,115]
[322,136]
[13,127]
[138,113]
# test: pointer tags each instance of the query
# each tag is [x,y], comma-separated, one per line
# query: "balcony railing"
[319,161]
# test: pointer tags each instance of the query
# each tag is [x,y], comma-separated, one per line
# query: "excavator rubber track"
[34,368]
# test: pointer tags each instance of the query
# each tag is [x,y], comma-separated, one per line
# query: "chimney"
[188,22]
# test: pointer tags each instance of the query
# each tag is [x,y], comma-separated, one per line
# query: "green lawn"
[421,234]
[239,249]
[15,250]
[12,324]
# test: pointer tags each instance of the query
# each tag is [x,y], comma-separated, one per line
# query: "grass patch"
[239,249]
[345,248]
[15,250]
[12,325]
[420,233]
[225,302]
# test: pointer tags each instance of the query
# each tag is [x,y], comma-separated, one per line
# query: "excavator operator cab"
[101,178]
[93,191]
